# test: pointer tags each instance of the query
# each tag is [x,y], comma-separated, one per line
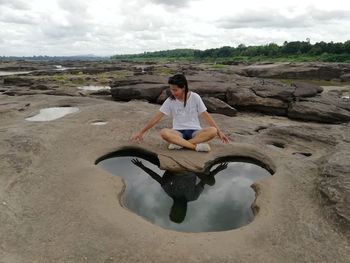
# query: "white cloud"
[14,4]
[276,18]
[106,27]
[173,4]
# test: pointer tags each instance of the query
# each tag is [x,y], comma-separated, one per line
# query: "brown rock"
[272,89]
[215,105]
[163,96]
[247,100]
[303,89]
[140,79]
[211,89]
[18,81]
[317,70]
[345,77]
[335,184]
[149,92]
[317,111]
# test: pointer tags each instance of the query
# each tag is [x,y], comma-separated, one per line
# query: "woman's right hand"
[136,137]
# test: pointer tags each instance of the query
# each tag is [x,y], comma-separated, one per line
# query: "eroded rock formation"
[56,205]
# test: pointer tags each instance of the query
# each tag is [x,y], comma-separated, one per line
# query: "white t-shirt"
[184,118]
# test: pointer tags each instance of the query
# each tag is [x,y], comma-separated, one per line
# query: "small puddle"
[49,114]
[185,201]
[99,123]
[94,88]
[61,68]
[9,73]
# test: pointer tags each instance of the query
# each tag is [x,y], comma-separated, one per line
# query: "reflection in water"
[182,188]
[188,201]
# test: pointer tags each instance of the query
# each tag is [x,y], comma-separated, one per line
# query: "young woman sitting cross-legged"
[184,107]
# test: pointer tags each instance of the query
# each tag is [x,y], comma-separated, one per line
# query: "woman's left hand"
[223,137]
[137,162]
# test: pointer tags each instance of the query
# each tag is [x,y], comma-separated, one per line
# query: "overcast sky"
[107,27]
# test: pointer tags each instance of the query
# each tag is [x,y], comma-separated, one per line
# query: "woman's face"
[177,92]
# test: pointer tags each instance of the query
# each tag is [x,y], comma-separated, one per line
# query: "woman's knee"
[212,131]
[164,133]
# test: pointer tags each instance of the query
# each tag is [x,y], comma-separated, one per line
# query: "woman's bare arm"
[138,136]
[212,123]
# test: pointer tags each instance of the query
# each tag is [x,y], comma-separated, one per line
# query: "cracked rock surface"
[57,206]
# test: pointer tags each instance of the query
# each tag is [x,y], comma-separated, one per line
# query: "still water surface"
[188,202]
[49,114]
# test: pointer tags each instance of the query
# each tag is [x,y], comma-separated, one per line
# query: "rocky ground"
[56,205]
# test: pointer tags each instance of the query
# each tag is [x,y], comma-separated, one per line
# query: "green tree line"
[333,52]
[175,53]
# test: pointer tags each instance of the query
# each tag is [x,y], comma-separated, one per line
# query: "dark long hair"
[180,81]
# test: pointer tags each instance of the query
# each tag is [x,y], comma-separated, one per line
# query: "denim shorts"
[187,134]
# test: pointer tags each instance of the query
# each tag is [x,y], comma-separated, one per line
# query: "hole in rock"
[218,199]
[99,122]
[301,154]
[276,145]
[49,114]
[260,128]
